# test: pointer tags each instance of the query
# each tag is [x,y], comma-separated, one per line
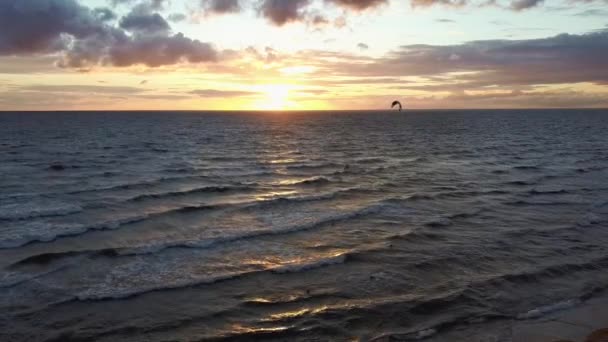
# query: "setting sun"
[276,97]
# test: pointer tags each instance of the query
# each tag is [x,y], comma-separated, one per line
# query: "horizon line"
[289,110]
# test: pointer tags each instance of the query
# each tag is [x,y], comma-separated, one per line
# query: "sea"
[298,226]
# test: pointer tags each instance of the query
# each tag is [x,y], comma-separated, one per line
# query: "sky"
[302,54]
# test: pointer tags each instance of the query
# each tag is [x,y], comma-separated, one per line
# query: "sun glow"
[276,97]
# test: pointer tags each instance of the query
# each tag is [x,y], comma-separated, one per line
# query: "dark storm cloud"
[85,39]
[358,5]
[221,6]
[136,21]
[280,12]
[152,50]
[158,50]
[144,18]
[36,26]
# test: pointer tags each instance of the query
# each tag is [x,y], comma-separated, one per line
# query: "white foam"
[543,310]
[425,333]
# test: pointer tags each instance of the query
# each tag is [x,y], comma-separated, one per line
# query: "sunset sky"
[302,54]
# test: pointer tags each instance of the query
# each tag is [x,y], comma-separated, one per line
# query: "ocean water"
[339,226]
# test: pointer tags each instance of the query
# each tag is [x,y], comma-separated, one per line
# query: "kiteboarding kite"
[397,103]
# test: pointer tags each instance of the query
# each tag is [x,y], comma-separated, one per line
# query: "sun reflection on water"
[274,194]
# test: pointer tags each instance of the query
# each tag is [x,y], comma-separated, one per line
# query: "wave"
[43,259]
[547,309]
[136,185]
[411,336]
[370,160]
[469,214]
[451,194]
[291,298]
[468,296]
[439,222]
[464,304]
[523,203]
[110,291]
[521,183]
[213,242]
[197,244]
[418,197]
[314,181]
[11,279]
[314,166]
[472,193]
[243,333]
[294,268]
[307,198]
[61,167]
[206,189]
[50,233]
[24,211]
[551,271]
[590,169]
[418,236]
[527,167]
[548,192]
[590,219]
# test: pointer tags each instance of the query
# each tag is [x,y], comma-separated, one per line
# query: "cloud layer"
[480,65]
[84,38]
[358,5]
[221,6]
[552,70]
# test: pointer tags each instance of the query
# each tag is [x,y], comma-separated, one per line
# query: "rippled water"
[297,226]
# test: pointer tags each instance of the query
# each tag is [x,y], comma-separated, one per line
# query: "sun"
[276,97]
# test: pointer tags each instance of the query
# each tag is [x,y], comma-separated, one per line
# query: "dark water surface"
[297,226]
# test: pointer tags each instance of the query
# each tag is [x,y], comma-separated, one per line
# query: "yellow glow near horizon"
[277,97]
[298,70]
